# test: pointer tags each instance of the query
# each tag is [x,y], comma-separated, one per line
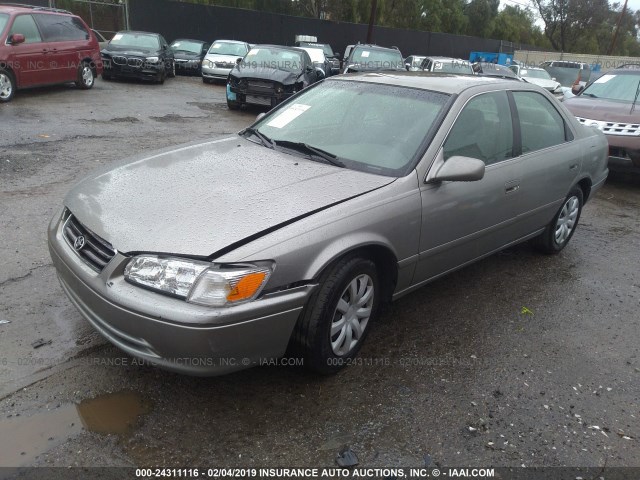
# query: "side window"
[541,125]
[483,130]
[25,25]
[61,28]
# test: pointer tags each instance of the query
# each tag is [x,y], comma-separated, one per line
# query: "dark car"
[188,55]
[610,104]
[141,55]
[487,69]
[332,57]
[44,46]
[269,74]
[373,58]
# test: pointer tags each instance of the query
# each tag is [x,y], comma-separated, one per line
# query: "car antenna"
[635,100]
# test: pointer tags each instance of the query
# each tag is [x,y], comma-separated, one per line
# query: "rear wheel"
[7,85]
[560,230]
[337,319]
[233,105]
[86,77]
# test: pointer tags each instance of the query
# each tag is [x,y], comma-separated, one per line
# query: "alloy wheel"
[6,87]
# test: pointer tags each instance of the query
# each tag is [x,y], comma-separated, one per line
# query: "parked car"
[44,46]
[610,104]
[221,58]
[141,55]
[568,73]
[486,69]
[412,63]
[332,57]
[318,59]
[102,41]
[538,76]
[290,235]
[188,55]
[269,74]
[373,58]
[446,65]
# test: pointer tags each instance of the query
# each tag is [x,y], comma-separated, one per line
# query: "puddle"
[22,439]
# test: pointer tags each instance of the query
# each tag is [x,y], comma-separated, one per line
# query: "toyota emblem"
[79,243]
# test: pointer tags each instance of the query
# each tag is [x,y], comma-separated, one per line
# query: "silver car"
[221,58]
[287,238]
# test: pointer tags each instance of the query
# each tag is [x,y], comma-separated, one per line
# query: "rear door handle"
[512,188]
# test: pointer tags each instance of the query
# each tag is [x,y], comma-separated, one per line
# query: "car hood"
[124,50]
[273,74]
[601,109]
[196,200]
[542,82]
[186,56]
[221,58]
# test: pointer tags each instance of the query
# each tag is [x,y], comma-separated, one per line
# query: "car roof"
[138,32]
[371,46]
[17,8]
[188,40]
[439,82]
[230,41]
[279,47]
[447,59]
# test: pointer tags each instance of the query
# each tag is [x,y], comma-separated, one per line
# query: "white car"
[540,77]
[318,58]
[221,58]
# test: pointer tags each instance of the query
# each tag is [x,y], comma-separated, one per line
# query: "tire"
[322,333]
[560,230]
[86,76]
[7,85]
[233,105]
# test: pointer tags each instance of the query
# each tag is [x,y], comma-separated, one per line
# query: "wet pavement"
[521,359]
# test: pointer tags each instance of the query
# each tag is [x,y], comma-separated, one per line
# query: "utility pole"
[615,34]
[372,19]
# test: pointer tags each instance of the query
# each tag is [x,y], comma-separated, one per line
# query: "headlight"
[152,59]
[207,63]
[203,283]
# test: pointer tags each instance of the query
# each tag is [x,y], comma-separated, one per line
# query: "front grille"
[134,62]
[224,64]
[119,60]
[95,251]
[261,86]
[613,128]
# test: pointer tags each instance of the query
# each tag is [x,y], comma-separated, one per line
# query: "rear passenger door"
[462,221]
[66,38]
[550,159]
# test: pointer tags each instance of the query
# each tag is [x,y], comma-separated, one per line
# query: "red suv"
[44,46]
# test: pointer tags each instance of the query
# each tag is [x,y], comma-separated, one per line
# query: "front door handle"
[512,188]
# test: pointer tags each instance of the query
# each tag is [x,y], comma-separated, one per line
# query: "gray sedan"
[287,238]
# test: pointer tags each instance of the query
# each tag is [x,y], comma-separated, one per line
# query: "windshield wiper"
[311,151]
[266,141]
[589,95]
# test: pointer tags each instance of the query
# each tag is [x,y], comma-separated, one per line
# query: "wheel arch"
[585,185]
[11,72]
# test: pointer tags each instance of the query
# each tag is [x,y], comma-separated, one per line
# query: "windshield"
[417,61]
[141,40]
[618,87]
[316,54]
[367,126]
[535,74]
[376,59]
[3,21]
[491,69]
[456,66]
[228,48]
[187,46]
[267,57]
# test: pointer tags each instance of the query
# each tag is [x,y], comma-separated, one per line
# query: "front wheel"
[337,319]
[7,85]
[560,230]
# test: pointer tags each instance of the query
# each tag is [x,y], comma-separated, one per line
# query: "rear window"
[374,58]
[61,28]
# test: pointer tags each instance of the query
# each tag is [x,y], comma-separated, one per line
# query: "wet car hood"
[196,200]
[214,57]
[125,50]
[543,82]
[601,109]
[282,76]
[186,56]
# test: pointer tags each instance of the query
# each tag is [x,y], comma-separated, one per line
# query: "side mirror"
[260,115]
[553,78]
[320,73]
[17,39]
[407,66]
[238,61]
[460,169]
[576,89]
